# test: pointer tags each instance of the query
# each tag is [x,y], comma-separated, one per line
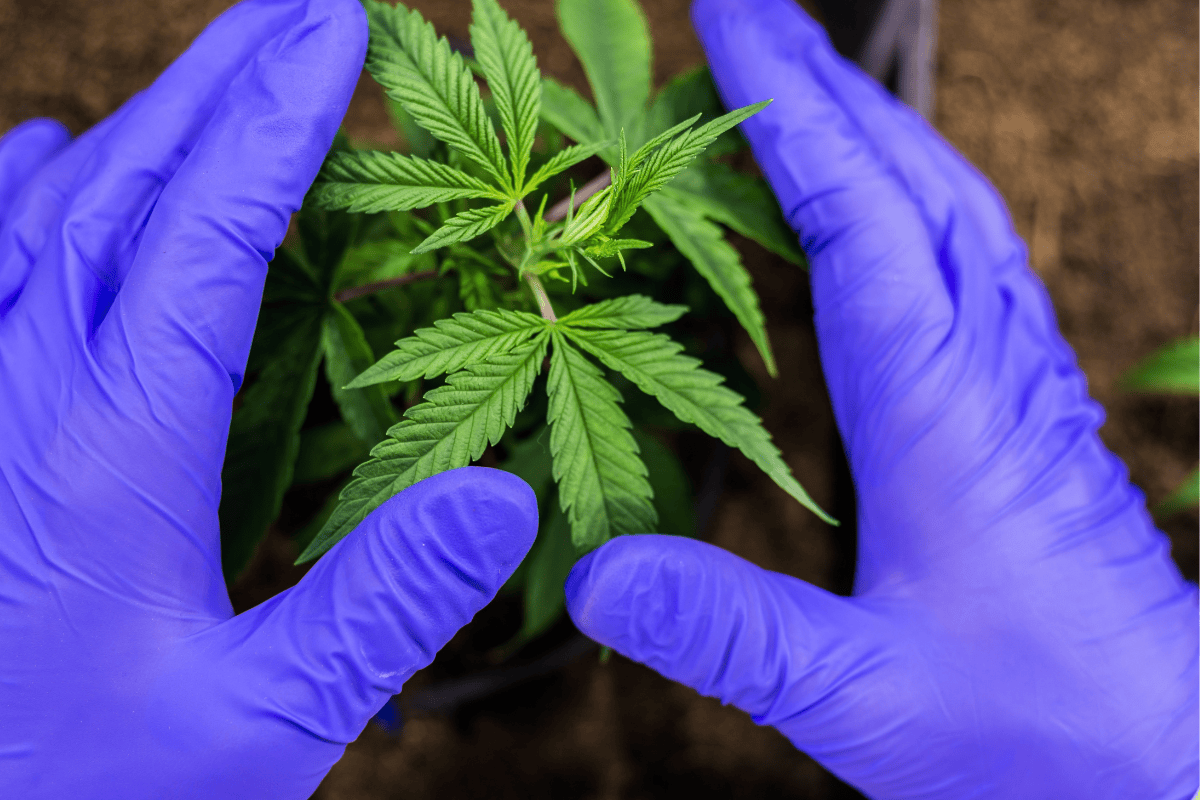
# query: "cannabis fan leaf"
[492,355]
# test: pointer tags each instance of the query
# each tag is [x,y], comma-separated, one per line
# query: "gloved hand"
[132,263]
[1018,629]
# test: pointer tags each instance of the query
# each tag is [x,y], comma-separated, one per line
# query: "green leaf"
[1185,497]
[602,483]
[695,395]
[414,139]
[743,202]
[704,244]
[588,219]
[1173,369]
[631,311]
[673,499]
[506,57]
[612,40]
[465,226]
[264,434]
[452,344]
[659,167]
[563,160]
[450,429]
[328,451]
[368,181]
[563,108]
[366,410]
[418,70]
[550,561]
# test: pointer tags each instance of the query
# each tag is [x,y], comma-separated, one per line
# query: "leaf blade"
[704,245]
[602,485]
[612,40]
[449,429]
[418,70]
[563,160]
[368,182]
[657,169]
[506,57]
[655,364]
[630,311]
[452,344]
[464,226]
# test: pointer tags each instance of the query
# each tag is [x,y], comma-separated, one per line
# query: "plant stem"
[543,300]
[559,210]
[370,288]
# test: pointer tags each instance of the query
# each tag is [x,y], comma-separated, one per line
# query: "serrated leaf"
[631,311]
[264,434]
[654,363]
[704,245]
[465,226]
[563,160]
[604,247]
[450,429]
[612,40]
[506,57]
[742,202]
[452,344]
[563,108]
[367,409]
[415,140]
[588,219]
[369,182]
[1173,369]
[419,70]
[602,483]
[660,166]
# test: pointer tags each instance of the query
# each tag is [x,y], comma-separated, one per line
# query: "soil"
[1083,113]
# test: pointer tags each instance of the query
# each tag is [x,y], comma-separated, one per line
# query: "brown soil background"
[1083,113]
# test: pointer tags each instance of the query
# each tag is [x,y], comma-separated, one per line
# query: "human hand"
[132,263]
[1018,629]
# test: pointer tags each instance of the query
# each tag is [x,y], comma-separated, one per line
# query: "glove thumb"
[323,657]
[791,655]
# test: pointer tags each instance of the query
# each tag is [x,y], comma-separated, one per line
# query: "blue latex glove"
[1018,629]
[132,263]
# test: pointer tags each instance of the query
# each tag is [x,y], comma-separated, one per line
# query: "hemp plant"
[482,170]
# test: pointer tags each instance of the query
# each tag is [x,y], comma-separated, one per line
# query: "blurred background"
[1083,113]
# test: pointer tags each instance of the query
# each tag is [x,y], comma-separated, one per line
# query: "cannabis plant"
[482,171]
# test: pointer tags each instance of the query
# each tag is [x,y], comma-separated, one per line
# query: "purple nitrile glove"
[132,263]
[1018,628]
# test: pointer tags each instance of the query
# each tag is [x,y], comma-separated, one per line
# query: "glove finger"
[964,214]
[110,195]
[789,654]
[28,224]
[878,288]
[323,657]
[23,151]
[189,305]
